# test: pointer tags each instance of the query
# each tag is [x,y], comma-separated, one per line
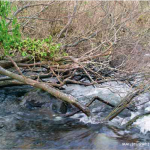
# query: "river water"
[29,128]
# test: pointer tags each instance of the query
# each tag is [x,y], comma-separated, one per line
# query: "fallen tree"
[75,67]
[45,86]
[109,55]
[125,102]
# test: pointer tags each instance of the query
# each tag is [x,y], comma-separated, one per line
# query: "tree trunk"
[45,86]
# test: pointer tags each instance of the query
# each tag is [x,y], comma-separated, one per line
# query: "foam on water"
[83,118]
[111,92]
[143,124]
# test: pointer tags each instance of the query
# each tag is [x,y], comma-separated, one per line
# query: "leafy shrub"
[11,41]
[9,36]
[40,48]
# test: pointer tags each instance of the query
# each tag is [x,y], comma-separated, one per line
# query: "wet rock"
[111,92]
[117,61]
[40,99]
[9,97]
[107,72]
[17,91]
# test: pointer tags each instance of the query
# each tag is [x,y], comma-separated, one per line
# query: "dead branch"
[8,64]
[56,93]
[56,75]
[14,63]
[10,83]
[70,20]
[81,40]
[123,104]
[26,7]
[90,103]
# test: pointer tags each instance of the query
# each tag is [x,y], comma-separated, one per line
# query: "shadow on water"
[24,129]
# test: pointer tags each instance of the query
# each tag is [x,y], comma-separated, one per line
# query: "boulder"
[38,99]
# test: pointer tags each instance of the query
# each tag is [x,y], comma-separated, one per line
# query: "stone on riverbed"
[111,92]
[38,99]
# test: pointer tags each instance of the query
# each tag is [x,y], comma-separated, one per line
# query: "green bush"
[44,48]
[10,38]
[9,35]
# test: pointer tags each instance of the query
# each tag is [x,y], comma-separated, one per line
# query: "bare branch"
[70,20]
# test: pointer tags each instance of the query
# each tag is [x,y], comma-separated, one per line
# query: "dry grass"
[123,24]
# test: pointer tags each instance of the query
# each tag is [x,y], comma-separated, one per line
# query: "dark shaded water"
[26,128]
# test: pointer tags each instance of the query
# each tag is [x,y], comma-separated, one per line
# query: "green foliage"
[8,39]
[12,42]
[44,48]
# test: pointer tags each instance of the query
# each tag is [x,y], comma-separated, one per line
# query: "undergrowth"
[41,49]
[11,41]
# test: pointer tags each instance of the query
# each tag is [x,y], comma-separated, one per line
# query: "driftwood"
[58,67]
[123,104]
[90,102]
[45,86]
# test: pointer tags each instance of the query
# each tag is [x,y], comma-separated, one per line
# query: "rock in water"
[38,99]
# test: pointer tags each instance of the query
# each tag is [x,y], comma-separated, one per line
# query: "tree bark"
[8,64]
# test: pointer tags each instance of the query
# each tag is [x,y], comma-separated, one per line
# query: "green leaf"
[24,54]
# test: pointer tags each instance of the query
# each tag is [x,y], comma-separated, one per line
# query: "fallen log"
[123,104]
[90,102]
[8,63]
[10,83]
[46,87]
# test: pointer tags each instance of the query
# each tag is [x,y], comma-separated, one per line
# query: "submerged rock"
[39,99]
[111,92]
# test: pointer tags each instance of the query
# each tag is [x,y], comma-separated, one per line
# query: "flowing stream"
[32,125]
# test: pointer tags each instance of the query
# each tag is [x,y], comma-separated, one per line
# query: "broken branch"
[44,86]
